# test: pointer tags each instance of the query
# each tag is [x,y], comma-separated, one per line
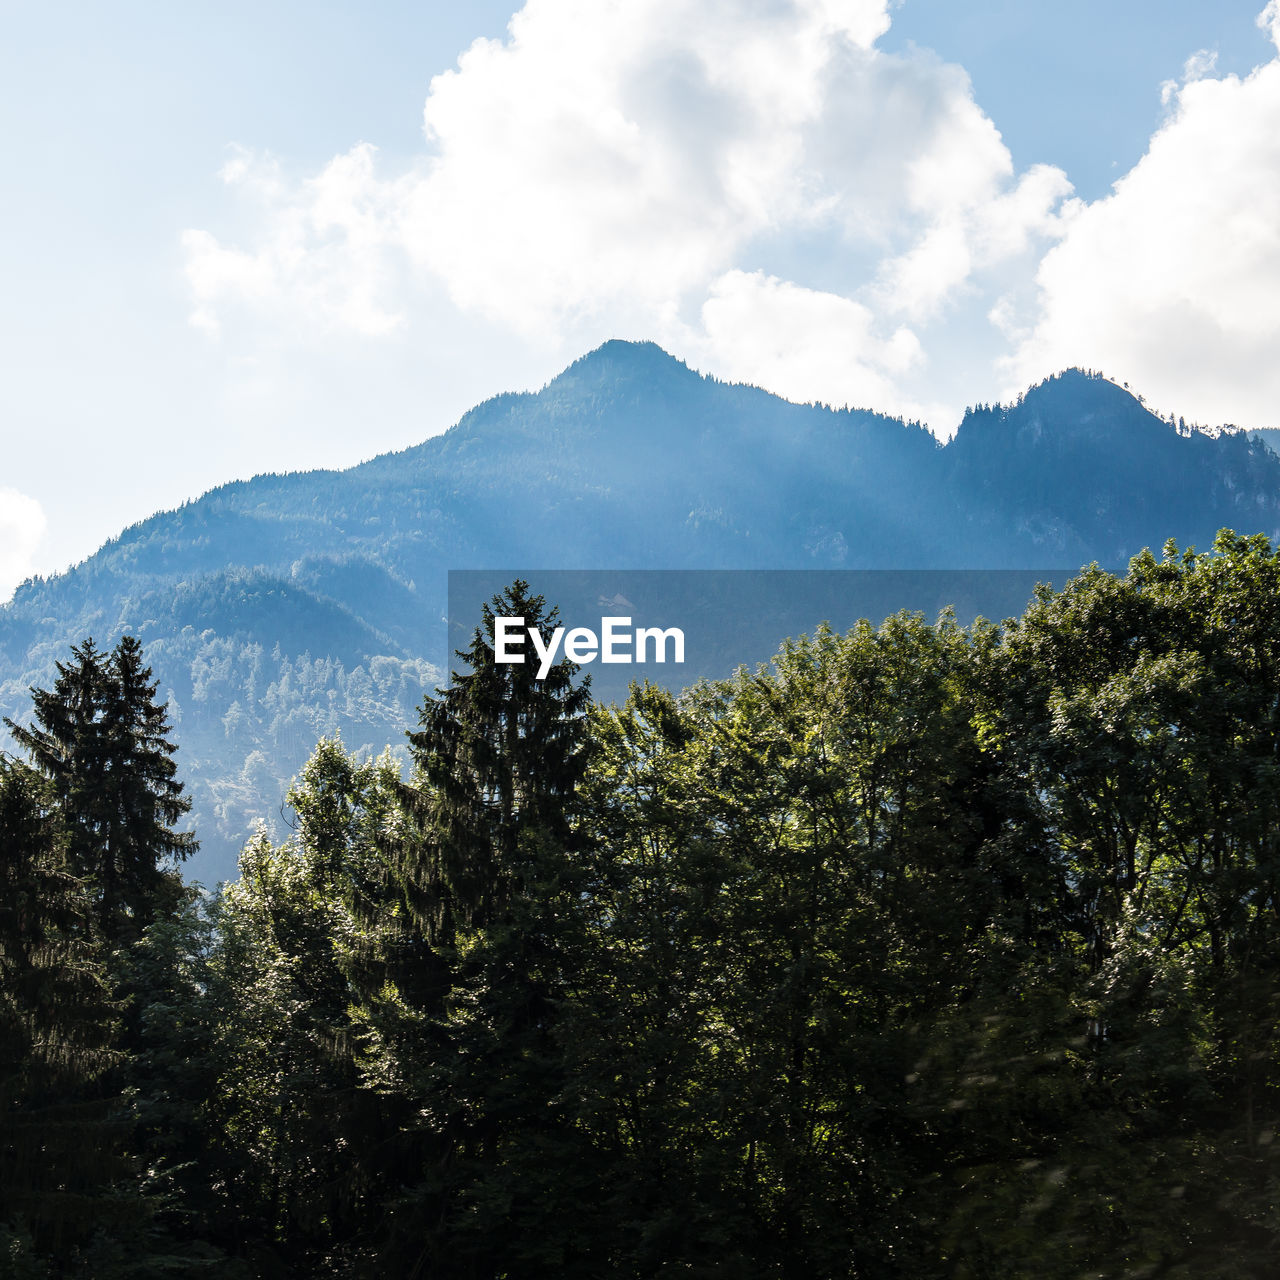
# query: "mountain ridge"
[292,604]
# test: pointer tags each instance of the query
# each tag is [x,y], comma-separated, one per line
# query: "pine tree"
[66,745]
[146,799]
[100,737]
[85,833]
[58,1149]
[501,754]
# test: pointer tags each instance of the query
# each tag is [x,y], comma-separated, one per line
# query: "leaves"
[923,952]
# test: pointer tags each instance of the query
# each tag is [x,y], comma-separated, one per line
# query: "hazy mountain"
[283,607]
[1270,436]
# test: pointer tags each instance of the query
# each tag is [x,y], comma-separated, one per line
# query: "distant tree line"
[927,951]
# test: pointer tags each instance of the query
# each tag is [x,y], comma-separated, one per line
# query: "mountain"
[1270,436]
[277,609]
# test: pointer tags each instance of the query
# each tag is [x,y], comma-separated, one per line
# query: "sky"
[238,238]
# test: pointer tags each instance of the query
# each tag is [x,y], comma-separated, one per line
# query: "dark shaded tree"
[61,1149]
[500,753]
[498,891]
[101,739]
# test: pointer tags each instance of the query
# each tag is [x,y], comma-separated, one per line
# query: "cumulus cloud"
[22,526]
[1269,21]
[624,155]
[803,343]
[648,167]
[325,251]
[1172,282]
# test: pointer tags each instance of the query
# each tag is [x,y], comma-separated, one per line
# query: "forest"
[923,951]
[281,609]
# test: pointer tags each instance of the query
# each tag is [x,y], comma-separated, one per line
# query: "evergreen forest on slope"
[927,951]
[285,608]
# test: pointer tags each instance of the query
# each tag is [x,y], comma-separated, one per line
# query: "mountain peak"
[1075,405]
[622,359]
[282,608]
[1076,384]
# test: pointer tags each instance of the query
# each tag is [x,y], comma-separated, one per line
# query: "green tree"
[101,739]
[1134,719]
[279,1058]
[146,798]
[67,745]
[308,1044]
[500,753]
[59,1149]
[495,890]
[86,833]
[646,1035]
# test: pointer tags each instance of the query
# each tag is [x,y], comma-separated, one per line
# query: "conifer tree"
[57,1021]
[500,755]
[66,744]
[100,737]
[146,798]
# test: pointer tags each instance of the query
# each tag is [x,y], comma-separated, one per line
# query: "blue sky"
[230,245]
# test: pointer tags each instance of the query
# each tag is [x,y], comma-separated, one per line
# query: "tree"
[501,753]
[59,1150]
[101,739]
[1137,719]
[83,835]
[651,1054]
[148,800]
[281,1060]
[66,744]
[494,887]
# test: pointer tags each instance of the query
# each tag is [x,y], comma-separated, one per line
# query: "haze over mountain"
[278,609]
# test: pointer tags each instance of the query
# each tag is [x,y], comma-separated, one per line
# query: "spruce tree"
[58,1149]
[101,739]
[66,744]
[147,799]
[500,755]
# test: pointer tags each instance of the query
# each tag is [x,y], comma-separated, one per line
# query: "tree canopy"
[924,951]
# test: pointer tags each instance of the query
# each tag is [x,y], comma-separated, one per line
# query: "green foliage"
[89,914]
[287,608]
[922,952]
[501,753]
[57,1024]
[278,1058]
[101,740]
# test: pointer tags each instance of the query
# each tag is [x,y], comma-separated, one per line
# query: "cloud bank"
[1172,282]
[761,188]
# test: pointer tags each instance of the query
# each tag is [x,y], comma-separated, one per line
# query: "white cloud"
[647,168]
[1172,282]
[803,344]
[619,155]
[622,156]
[1201,63]
[326,252]
[1269,21]
[22,526]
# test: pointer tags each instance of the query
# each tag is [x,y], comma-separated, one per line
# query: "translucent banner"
[674,627]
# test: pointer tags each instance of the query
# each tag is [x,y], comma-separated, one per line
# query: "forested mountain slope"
[278,609]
